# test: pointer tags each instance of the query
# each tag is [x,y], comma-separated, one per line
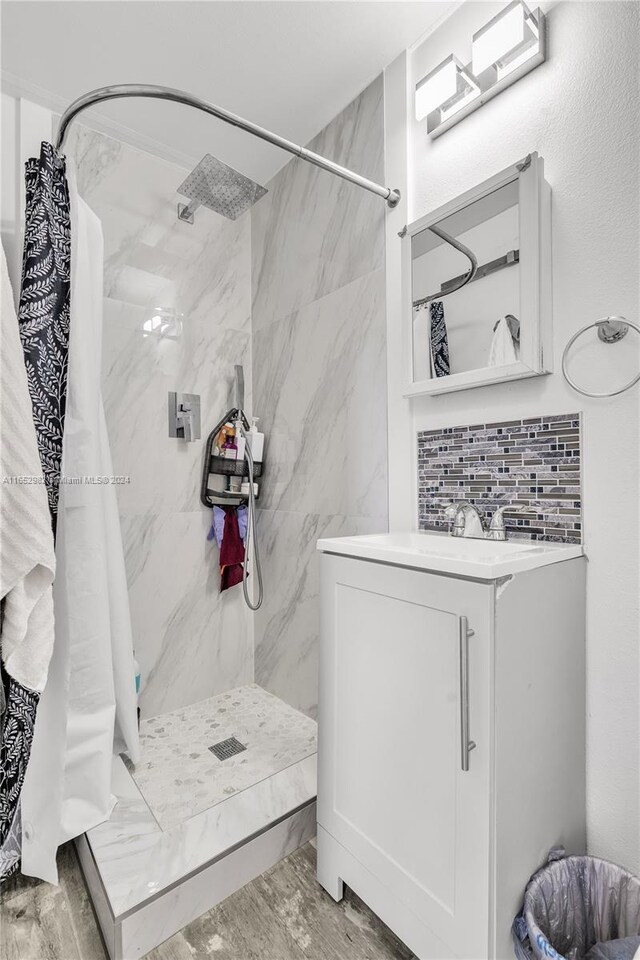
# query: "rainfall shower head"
[214,184]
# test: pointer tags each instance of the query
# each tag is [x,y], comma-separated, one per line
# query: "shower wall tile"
[313,233]
[287,625]
[318,332]
[152,258]
[191,641]
[320,388]
[532,463]
[138,372]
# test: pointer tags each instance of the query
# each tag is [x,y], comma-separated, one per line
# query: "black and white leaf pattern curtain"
[43,318]
[44,307]
[18,723]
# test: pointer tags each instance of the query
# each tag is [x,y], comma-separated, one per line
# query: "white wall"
[24,125]
[581,112]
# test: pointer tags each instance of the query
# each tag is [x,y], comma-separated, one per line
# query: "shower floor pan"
[223,790]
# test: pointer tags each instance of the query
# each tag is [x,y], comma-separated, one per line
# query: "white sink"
[461,556]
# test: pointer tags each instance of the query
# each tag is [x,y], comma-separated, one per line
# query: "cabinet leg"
[332,884]
[327,872]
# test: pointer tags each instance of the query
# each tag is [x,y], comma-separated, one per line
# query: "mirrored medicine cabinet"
[477,285]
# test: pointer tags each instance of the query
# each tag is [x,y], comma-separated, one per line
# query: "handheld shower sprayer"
[251,524]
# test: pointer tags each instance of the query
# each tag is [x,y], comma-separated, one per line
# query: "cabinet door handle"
[466,745]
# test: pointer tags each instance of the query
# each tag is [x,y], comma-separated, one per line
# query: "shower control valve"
[184,420]
[184,416]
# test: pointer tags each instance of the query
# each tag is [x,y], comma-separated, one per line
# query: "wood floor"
[282,915]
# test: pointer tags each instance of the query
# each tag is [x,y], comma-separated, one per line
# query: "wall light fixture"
[511,45]
[447,89]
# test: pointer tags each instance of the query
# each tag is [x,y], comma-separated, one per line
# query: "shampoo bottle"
[256,440]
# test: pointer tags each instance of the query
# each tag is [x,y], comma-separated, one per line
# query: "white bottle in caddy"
[240,441]
[255,440]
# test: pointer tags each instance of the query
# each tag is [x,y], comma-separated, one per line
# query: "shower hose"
[251,534]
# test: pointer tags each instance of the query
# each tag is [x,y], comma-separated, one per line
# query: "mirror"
[477,291]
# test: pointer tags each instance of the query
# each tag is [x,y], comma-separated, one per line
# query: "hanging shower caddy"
[225,467]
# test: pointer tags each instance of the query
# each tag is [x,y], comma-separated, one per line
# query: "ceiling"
[288,65]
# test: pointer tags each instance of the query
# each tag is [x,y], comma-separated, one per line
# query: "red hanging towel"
[231,551]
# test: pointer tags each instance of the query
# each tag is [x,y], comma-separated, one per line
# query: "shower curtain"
[88,708]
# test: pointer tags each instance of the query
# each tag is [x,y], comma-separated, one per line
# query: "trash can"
[579,908]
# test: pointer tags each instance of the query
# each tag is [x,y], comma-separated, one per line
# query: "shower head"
[218,186]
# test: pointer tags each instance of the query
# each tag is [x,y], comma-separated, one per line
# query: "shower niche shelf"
[224,467]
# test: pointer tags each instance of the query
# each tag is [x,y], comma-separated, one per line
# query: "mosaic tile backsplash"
[533,462]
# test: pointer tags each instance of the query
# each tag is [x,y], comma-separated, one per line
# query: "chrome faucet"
[467,522]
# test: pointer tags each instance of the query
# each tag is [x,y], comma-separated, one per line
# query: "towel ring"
[610,330]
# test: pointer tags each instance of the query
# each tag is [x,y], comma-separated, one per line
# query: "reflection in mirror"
[457,325]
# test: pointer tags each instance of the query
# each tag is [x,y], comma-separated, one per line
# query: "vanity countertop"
[455,556]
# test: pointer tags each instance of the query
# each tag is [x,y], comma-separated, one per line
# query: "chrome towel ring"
[610,330]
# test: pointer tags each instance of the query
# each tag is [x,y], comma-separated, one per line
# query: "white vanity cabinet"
[452,751]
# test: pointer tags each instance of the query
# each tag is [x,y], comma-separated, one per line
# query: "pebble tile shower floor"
[179,775]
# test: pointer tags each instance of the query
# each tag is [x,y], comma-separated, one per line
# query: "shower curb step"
[147,880]
[134,934]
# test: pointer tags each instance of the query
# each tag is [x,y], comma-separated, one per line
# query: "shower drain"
[227,748]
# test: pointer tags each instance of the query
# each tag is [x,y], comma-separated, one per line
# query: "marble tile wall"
[191,641]
[319,382]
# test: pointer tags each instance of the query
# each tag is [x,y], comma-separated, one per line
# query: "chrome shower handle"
[184,420]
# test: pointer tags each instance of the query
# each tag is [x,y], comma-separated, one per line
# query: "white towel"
[27,559]
[502,348]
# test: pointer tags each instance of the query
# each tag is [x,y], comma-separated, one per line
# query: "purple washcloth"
[243,517]
[217,524]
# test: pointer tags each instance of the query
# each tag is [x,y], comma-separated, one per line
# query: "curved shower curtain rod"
[464,280]
[155,92]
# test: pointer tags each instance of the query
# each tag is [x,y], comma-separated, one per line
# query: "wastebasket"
[579,908]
